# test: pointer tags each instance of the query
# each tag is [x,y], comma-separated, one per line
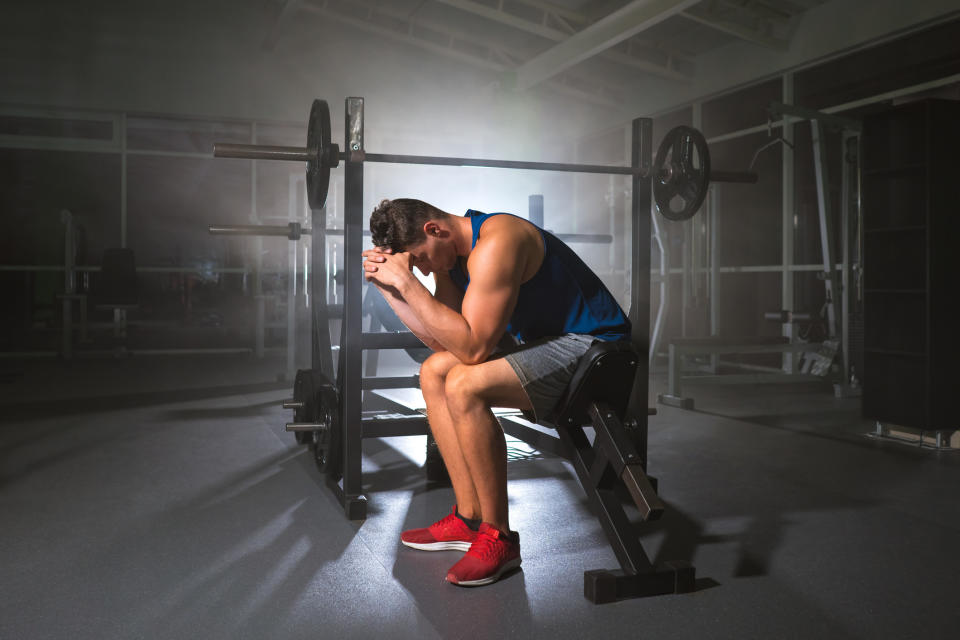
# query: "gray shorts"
[545,367]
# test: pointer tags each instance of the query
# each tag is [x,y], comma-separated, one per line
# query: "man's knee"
[434,370]
[461,387]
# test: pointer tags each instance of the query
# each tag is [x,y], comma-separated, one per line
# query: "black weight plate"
[681,173]
[318,169]
[327,448]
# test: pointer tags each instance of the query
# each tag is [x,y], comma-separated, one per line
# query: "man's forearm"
[409,318]
[444,325]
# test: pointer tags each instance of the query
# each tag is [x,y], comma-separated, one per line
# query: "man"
[496,275]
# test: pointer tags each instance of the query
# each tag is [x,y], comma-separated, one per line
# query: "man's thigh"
[544,368]
[493,381]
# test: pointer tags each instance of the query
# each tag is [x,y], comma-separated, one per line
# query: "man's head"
[398,224]
[417,227]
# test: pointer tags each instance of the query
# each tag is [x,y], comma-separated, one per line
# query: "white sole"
[453,545]
[509,566]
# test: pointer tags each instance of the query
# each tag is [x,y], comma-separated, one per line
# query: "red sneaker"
[492,555]
[449,533]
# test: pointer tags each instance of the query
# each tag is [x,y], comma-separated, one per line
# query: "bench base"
[601,586]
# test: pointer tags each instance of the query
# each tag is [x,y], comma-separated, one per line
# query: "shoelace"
[486,547]
[446,523]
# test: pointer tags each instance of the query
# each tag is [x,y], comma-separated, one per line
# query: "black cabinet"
[910,190]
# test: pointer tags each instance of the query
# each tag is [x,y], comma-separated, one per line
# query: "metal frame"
[834,279]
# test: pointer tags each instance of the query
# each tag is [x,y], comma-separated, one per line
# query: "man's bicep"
[447,292]
[492,294]
[487,310]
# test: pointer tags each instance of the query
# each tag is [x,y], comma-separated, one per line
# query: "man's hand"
[380,266]
[388,270]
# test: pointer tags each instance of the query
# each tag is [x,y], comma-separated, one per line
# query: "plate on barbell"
[327,448]
[681,173]
[318,168]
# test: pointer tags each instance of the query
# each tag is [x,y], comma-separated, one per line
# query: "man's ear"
[431,228]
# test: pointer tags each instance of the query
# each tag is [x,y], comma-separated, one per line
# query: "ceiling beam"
[741,31]
[616,27]
[543,30]
[491,58]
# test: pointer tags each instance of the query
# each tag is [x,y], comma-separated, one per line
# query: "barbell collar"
[306,426]
[263,152]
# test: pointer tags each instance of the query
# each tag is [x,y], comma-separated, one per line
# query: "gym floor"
[160,498]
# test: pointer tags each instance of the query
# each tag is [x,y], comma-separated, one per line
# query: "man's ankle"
[474,523]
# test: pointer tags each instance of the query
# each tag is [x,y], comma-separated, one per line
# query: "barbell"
[681,169]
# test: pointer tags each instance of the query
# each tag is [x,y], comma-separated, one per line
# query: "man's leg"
[471,391]
[433,375]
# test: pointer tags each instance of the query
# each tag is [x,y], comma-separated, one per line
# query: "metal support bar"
[777,109]
[350,373]
[373,427]
[400,382]
[788,204]
[825,207]
[402,340]
[641,154]
[850,196]
[713,223]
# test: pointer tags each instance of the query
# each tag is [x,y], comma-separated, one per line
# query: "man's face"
[432,255]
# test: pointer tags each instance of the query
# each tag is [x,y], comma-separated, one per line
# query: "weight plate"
[318,168]
[681,173]
[327,447]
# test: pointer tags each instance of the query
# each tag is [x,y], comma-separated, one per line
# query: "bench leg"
[612,460]
[621,454]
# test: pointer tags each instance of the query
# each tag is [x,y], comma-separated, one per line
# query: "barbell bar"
[676,174]
[298,154]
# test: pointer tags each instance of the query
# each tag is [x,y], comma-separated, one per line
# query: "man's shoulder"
[505,226]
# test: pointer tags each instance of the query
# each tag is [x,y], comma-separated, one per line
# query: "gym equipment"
[617,457]
[598,395]
[717,345]
[678,174]
[682,173]
[316,419]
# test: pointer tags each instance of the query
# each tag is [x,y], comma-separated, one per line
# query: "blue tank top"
[563,296]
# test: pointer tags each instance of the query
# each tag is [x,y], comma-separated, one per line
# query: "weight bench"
[597,395]
[717,345]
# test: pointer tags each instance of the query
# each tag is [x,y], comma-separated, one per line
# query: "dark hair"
[398,224]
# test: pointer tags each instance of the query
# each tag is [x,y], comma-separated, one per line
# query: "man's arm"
[496,266]
[446,292]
